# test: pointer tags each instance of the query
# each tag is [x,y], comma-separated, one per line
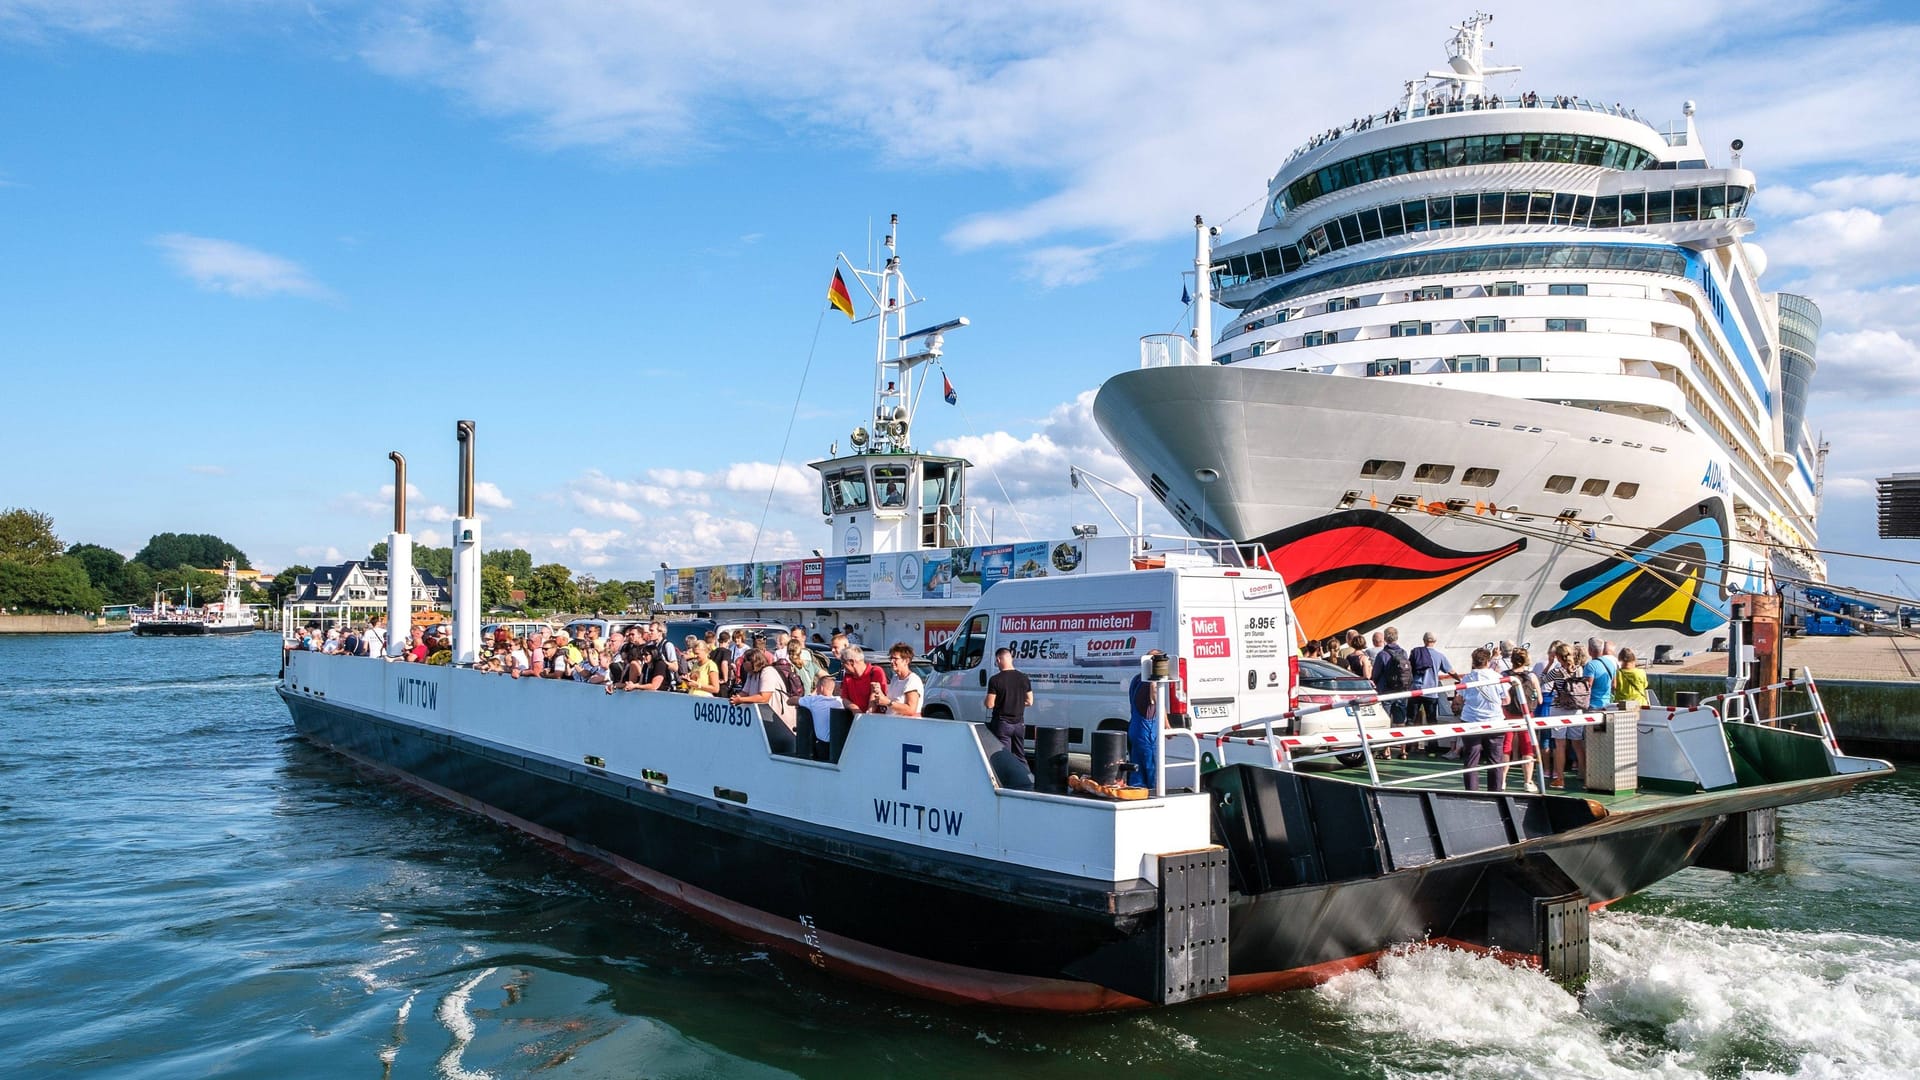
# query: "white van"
[1080,639]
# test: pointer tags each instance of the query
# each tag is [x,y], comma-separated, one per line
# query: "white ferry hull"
[1288,449]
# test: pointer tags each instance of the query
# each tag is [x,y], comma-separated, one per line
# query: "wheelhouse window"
[845,491]
[890,486]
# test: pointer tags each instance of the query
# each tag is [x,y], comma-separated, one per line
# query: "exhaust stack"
[466,558]
[399,565]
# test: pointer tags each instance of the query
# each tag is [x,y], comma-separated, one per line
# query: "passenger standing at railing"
[1478,702]
[1632,686]
[1143,729]
[1523,701]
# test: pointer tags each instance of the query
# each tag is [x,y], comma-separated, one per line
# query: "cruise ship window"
[1350,229]
[1370,224]
[1633,209]
[1436,292]
[1540,207]
[1559,484]
[1487,324]
[1466,211]
[1402,503]
[1491,204]
[1391,222]
[1377,469]
[1440,212]
[1582,209]
[1625,489]
[1340,303]
[1416,214]
[1478,476]
[1713,201]
[1686,204]
[1506,288]
[1595,487]
[1737,198]
[1606,212]
[1566,324]
[1518,363]
[1467,364]
[1567,290]
[1563,204]
[1432,474]
[1659,207]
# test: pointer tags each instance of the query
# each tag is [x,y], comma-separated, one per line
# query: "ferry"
[227,616]
[909,852]
[1498,366]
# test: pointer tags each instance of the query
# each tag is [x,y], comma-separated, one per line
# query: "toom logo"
[1108,648]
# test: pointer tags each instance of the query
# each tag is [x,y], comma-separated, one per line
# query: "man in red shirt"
[862,686]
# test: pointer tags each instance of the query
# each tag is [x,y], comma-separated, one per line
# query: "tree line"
[39,572]
[547,587]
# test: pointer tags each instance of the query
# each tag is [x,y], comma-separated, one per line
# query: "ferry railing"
[1285,747]
[1169,350]
[1169,735]
[1445,106]
[1742,706]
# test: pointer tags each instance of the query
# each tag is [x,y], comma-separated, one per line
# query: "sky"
[251,246]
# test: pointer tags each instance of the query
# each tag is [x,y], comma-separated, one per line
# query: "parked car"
[1318,682]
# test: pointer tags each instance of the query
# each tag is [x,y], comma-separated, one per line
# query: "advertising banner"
[938,632]
[996,565]
[1078,640]
[769,581]
[812,579]
[859,573]
[1030,560]
[790,581]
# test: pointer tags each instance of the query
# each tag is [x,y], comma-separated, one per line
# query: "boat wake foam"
[1668,998]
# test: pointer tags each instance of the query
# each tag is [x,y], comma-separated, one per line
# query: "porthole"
[1479,477]
[1376,469]
[1625,489]
[1432,474]
[1559,485]
[1594,487]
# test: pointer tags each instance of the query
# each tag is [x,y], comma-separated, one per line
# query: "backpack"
[791,677]
[1392,676]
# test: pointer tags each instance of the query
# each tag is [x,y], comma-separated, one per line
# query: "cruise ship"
[1499,365]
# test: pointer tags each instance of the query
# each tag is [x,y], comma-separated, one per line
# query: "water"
[187,890]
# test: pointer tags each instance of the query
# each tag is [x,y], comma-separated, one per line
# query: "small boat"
[227,616]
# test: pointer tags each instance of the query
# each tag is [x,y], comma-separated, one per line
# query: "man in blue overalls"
[1143,730]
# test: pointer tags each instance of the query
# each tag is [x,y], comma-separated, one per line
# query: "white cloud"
[487,493]
[236,269]
[1868,363]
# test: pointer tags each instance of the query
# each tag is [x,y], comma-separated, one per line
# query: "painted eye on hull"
[1364,567]
[1671,578]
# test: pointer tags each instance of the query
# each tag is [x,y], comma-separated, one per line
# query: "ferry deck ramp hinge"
[1193,925]
[1745,844]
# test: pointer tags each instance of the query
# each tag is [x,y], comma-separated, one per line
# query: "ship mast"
[894,396]
[1467,70]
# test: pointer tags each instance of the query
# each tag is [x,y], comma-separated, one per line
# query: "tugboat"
[908,854]
[227,616]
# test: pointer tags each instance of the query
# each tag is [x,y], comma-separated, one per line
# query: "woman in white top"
[904,689]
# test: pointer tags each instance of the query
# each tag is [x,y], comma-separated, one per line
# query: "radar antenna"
[1468,70]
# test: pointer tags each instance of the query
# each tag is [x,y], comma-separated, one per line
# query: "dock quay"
[60,624]
[1870,683]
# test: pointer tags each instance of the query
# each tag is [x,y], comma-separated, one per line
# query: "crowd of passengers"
[1441,103]
[775,668]
[1569,678]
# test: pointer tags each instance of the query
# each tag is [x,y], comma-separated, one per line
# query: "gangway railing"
[1742,706]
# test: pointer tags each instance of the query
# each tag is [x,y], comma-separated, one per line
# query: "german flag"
[837,295]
